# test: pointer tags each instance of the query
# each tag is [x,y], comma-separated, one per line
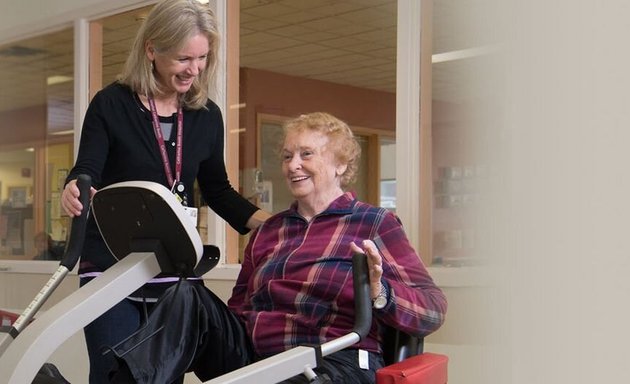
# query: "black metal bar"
[77,229]
[362,299]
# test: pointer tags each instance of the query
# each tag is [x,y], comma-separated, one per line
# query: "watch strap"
[380,301]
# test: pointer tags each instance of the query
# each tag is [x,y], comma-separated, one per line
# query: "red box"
[426,368]
[7,318]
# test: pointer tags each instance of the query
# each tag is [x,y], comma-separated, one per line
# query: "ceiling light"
[57,79]
[238,106]
[66,132]
[20,51]
[462,54]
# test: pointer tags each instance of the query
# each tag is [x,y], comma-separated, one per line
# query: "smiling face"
[176,71]
[311,170]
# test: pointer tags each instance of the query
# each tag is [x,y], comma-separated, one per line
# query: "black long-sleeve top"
[118,143]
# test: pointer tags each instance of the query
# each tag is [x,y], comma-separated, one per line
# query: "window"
[36,121]
[300,57]
[463,56]
[111,39]
[291,57]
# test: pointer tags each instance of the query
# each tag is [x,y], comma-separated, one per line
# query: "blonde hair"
[168,27]
[340,138]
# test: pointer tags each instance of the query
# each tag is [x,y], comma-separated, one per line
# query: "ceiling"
[350,42]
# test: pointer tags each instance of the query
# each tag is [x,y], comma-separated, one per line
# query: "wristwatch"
[380,301]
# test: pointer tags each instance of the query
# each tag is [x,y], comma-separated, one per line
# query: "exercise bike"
[149,232]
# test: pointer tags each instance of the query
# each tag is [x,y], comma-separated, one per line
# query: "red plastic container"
[426,368]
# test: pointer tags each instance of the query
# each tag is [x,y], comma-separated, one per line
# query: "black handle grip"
[77,229]
[362,299]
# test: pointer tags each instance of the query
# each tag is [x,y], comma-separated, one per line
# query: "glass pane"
[361,186]
[463,49]
[387,184]
[36,122]
[305,56]
[118,33]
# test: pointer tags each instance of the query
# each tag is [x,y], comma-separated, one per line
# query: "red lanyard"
[160,140]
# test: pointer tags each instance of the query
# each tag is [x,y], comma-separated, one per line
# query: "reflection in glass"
[36,123]
[299,57]
[388,194]
[118,32]
[463,46]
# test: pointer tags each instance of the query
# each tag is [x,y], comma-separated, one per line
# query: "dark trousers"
[191,329]
[107,330]
[343,368]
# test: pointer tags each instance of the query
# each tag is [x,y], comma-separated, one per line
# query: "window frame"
[409,130]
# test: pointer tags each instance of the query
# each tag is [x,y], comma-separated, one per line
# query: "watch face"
[380,302]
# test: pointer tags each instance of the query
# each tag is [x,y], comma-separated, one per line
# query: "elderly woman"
[295,285]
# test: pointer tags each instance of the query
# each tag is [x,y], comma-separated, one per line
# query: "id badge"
[191,212]
[364,359]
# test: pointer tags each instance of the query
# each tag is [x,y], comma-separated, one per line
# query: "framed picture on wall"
[17,197]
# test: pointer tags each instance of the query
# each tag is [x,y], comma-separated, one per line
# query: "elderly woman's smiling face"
[310,168]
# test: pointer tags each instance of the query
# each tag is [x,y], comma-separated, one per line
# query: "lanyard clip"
[178,190]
